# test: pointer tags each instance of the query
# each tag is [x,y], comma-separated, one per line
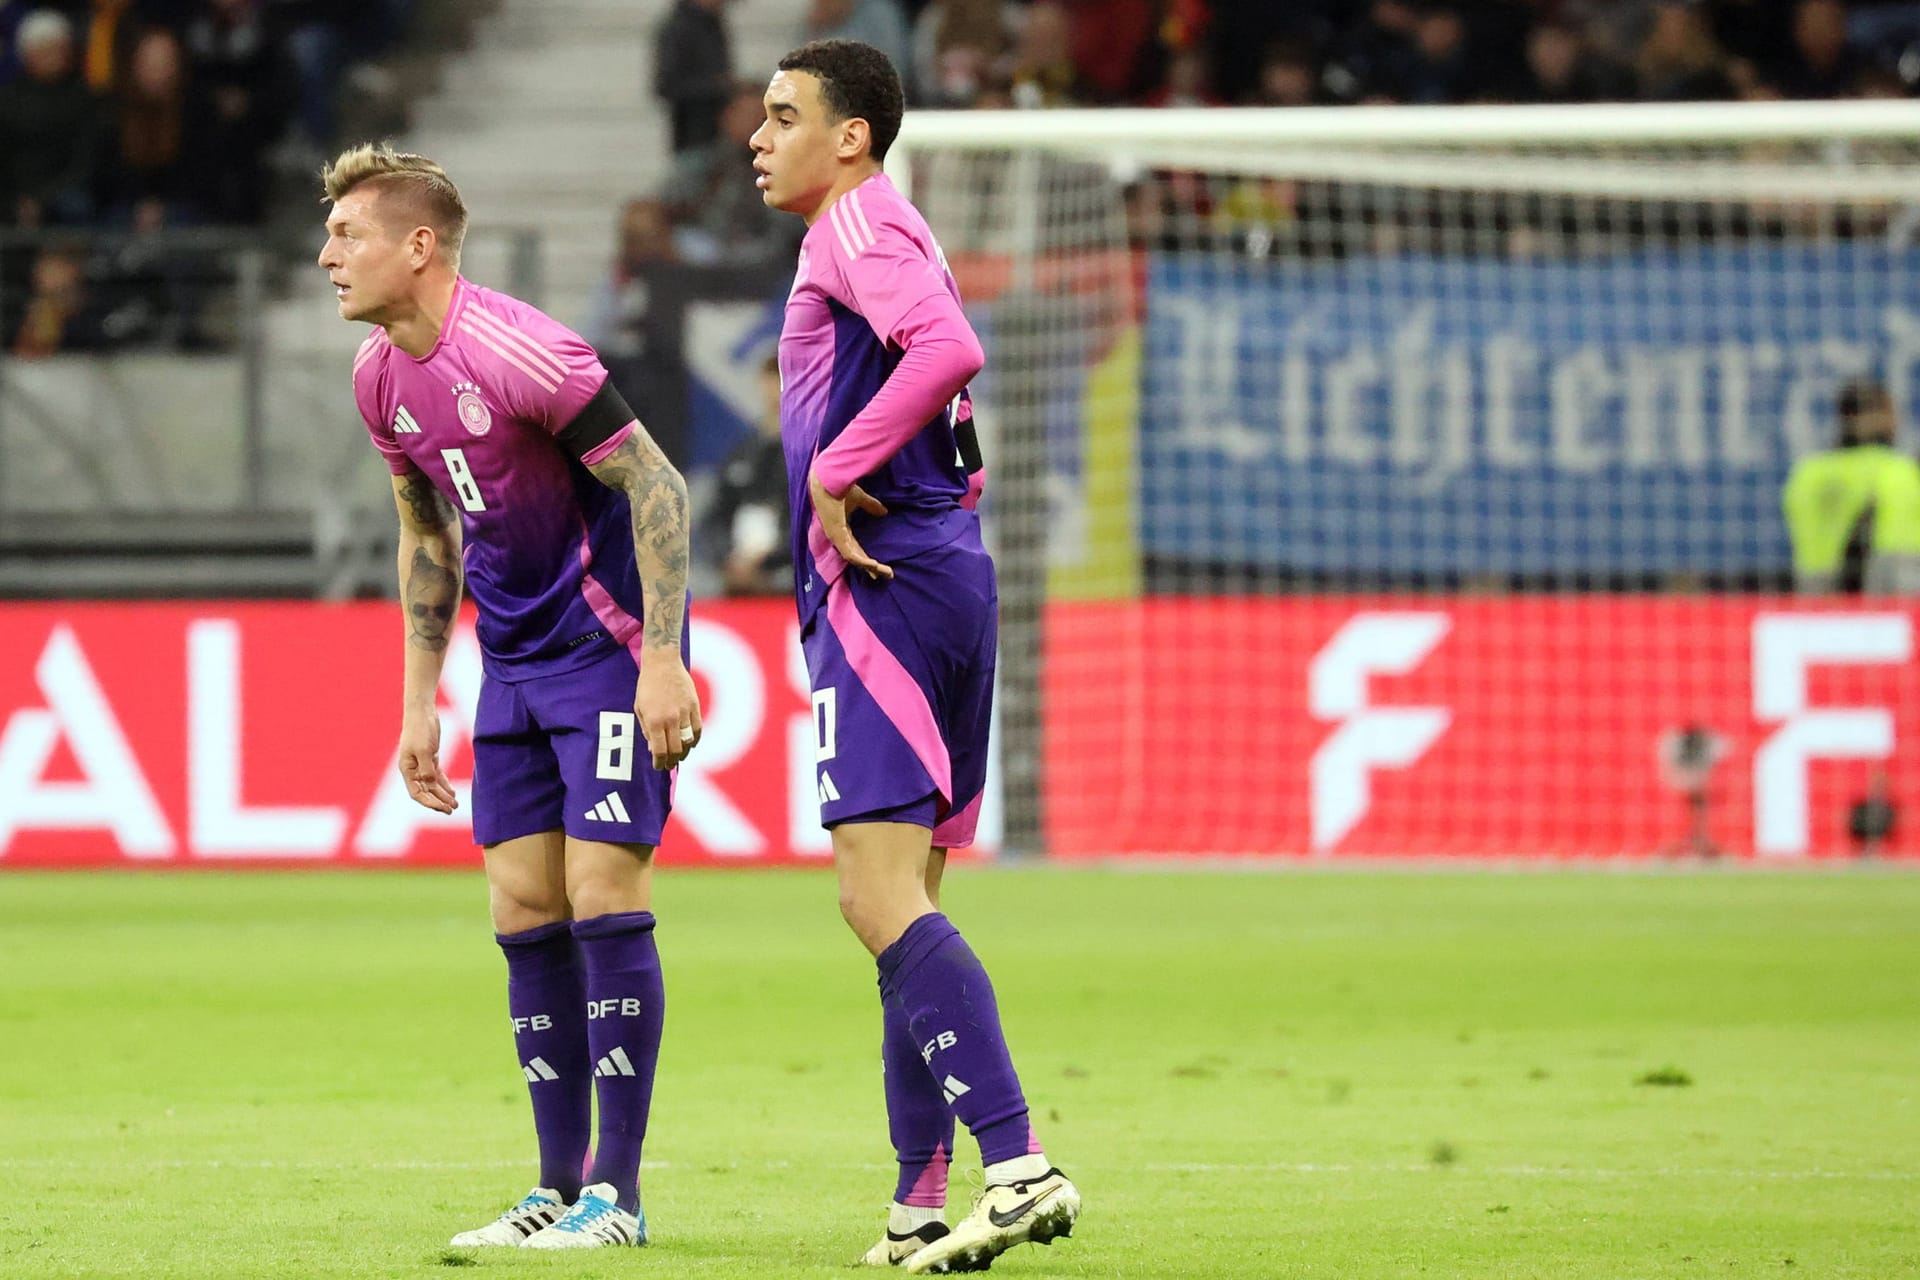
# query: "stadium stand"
[175,217]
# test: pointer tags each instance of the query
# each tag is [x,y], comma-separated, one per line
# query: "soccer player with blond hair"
[899,616]
[522,478]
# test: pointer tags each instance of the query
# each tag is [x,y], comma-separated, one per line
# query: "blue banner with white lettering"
[1632,414]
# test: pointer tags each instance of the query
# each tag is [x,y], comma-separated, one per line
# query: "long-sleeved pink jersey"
[875,354]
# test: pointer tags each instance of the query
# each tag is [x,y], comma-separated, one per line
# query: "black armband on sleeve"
[599,420]
[969,441]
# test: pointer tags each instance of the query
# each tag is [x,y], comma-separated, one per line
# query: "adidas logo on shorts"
[612,809]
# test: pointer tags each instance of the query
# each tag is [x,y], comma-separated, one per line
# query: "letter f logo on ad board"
[1785,646]
[1369,737]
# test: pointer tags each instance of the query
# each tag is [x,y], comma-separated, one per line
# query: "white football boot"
[1037,1211]
[539,1208]
[595,1220]
[902,1240]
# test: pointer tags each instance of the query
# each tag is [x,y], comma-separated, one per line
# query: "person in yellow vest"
[1893,562]
[1829,496]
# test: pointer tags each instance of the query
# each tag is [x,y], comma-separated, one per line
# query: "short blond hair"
[427,194]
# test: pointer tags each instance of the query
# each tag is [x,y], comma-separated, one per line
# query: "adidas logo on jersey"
[403,423]
[609,810]
[616,1063]
[828,792]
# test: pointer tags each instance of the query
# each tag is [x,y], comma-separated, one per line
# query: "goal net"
[1408,481]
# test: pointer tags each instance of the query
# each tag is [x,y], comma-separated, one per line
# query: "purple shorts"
[902,678]
[564,753]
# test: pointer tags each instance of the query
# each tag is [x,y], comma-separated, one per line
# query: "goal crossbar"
[1585,124]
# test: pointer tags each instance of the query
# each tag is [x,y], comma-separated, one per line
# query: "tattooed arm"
[430,602]
[665,701]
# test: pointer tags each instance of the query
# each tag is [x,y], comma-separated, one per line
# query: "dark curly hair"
[857,82]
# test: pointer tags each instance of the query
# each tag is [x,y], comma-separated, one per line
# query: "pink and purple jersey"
[504,416]
[872,296]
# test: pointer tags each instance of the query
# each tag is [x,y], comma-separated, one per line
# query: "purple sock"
[918,1119]
[944,994]
[546,999]
[625,1004]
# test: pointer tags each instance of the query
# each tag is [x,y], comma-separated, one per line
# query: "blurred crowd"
[131,116]
[1053,53]
[977,54]
[134,114]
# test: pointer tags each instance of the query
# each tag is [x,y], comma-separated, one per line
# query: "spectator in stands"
[1189,81]
[322,40]
[1436,64]
[749,515]
[1114,47]
[1367,60]
[315,48]
[1821,65]
[627,326]
[617,321]
[59,313]
[105,36]
[1679,60]
[879,23]
[693,70]
[1289,76]
[718,216]
[1185,24]
[1563,66]
[49,130]
[1614,27]
[1828,499]
[12,13]
[1756,32]
[961,73]
[957,47]
[1238,34]
[1044,74]
[244,81]
[1885,32]
[160,135]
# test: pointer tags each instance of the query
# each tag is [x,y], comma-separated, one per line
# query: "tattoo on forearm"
[428,506]
[432,595]
[658,496]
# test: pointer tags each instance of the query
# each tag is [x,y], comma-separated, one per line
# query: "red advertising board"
[179,734]
[1503,727]
[209,734]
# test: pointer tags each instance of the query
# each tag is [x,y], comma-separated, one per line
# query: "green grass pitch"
[1329,1074]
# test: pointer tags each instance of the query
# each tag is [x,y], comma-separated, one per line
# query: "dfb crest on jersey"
[474,414]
